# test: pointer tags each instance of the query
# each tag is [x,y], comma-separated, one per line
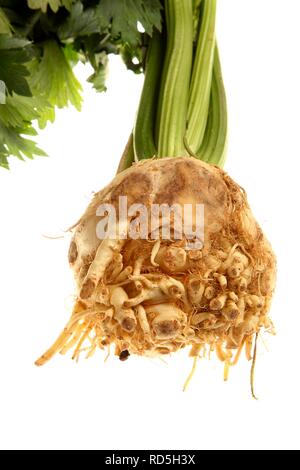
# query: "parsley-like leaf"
[98,78]
[53,4]
[81,22]
[41,41]
[18,110]
[52,79]
[125,15]
[13,143]
[14,54]
[43,5]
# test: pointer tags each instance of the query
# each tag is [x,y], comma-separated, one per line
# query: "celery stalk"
[174,92]
[202,77]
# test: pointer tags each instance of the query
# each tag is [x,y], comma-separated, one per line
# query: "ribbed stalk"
[183,104]
[213,148]
[174,92]
[144,130]
[199,98]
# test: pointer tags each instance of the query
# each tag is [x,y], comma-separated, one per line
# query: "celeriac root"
[154,297]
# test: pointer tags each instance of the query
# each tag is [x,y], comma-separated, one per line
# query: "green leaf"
[120,17]
[14,54]
[133,58]
[38,73]
[48,115]
[5,27]
[3,157]
[68,4]
[8,42]
[13,73]
[13,143]
[16,117]
[98,79]
[53,4]
[20,110]
[124,17]
[52,77]
[151,15]
[43,5]
[71,55]
[82,22]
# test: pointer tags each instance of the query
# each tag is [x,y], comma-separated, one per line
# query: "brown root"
[155,297]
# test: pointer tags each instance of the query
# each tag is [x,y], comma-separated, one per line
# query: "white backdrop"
[140,404]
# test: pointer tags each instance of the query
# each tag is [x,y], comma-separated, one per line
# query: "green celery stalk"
[174,92]
[213,148]
[199,98]
[144,130]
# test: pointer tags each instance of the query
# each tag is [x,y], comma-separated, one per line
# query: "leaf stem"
[144,130]
[202,76]
[214,144]
[183,109]
[174,92]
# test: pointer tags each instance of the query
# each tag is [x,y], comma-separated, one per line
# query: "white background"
[140,403]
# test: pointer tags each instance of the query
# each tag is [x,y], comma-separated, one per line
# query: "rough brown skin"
[216,298]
